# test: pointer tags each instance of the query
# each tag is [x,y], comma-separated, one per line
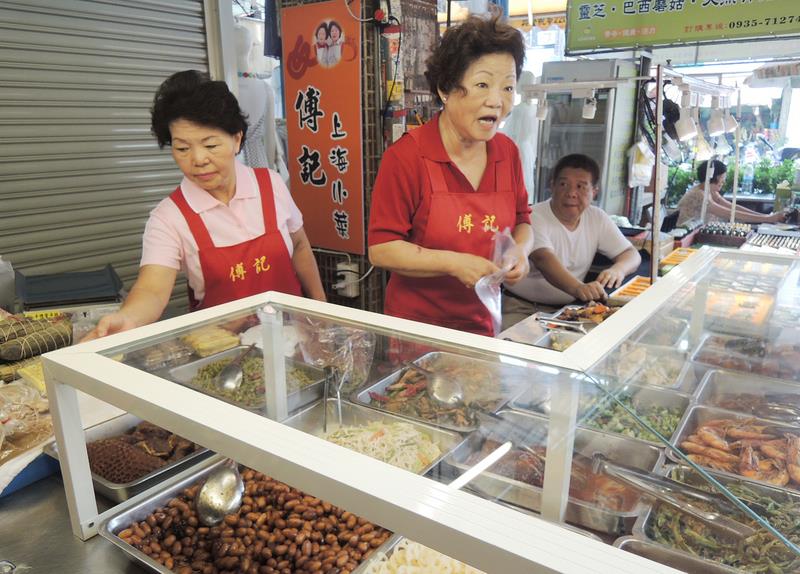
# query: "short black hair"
[191,95]
[331,25]
[323,26]
[461,45]
[717,166]
[578,161]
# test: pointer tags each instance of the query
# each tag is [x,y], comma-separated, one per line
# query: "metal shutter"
[79,170]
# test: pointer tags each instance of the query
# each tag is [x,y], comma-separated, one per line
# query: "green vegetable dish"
[251,392]
[614,419]
[758,553]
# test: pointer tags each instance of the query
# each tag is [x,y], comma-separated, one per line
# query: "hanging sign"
[322,89]
[625,24]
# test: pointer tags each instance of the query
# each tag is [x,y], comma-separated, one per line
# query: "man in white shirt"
[568,231]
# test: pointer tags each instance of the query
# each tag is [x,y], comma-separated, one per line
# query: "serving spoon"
[221,494]
[231,375]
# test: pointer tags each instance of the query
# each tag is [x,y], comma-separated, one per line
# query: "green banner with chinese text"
[620,24]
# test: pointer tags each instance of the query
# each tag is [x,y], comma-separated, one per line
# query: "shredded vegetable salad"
[399,444]
[413,558]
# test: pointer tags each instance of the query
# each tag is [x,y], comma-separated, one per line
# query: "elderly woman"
[445,188]
[233,230]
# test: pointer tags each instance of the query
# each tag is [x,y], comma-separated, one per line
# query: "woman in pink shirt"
[233,230]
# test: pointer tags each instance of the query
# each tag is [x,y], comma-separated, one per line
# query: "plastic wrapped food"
[170,353]
[24,420]
[210,340]
[52,337]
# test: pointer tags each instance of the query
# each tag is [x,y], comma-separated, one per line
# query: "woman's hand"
[468,268]
[110,324]
[521,265]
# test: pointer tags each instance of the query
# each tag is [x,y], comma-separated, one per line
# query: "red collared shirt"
[402,194]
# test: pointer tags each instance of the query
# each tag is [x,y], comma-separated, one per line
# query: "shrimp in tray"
[768,470]
[793,457]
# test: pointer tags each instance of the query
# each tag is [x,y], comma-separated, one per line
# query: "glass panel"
[711,378]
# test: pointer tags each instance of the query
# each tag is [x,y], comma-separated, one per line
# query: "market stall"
[676,356]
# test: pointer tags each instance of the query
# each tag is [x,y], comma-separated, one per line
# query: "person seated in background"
[567,233]
[719,209]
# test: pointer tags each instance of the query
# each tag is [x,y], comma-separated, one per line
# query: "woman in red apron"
[233,230]
[443,190]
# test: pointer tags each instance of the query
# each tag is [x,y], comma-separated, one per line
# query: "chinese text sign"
[618,24]
[322,83]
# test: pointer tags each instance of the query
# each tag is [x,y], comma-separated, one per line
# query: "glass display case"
[360,433]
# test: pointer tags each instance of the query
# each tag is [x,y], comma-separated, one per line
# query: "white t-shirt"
[574,249]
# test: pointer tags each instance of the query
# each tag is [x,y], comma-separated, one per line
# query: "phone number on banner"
[754,22]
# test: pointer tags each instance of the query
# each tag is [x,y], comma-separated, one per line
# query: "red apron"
[462,222]
[253,266]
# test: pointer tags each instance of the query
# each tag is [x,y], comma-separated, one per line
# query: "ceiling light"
[730,122]
[685,126]
[716,123]
[589,108]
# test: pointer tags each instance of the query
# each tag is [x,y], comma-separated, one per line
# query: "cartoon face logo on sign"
[328,47]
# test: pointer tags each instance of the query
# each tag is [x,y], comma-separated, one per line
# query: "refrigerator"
[606,138]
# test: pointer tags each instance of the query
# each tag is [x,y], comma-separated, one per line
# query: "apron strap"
[193,219]
[267,199]
[434,169]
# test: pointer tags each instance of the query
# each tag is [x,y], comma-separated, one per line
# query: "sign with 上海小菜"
[322,89]
[620,24]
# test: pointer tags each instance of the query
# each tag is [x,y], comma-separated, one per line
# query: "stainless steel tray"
[666,332]
[559,314]
[642,398]
[770,365]
[662,365]
[512,378]
[121,492]
[686,475]
[309,421]
[558,339]
[698,415]
[718,383]
[587,442]
[295,399]
[137,510]
[670,557]
[535,397]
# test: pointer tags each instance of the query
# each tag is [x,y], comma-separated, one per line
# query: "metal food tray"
[309,421]
[607,369]
[295,399]
[535,398]
[704,342]
[587,442]
[642,397]
[658,354]
[697,415]
[676,336]
[688,476]
[671,557]
[549,338]
[137,510]
[120,492]
[587,324]
[720,382]
[512,379]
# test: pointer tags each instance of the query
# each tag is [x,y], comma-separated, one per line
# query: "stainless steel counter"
[36,537]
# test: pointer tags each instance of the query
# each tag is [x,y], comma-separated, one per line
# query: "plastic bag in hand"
[488,287]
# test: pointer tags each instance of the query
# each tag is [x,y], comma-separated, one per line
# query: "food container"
[558,340]
[511,380]
[645,365]
[137,510]
[645,524]
[665,332]
[587,442]
[719,385]
[643,399]
[633,288]
[295,399]
[737,313]
[535,398]
[670,557]
[777,359]
[121,492]
[697,416]
[565,314]
[310,419]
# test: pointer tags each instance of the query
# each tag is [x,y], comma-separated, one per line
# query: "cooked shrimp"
[775,448]
[714,437]
[708,451]
[769,470]
[793,457]
[711,463]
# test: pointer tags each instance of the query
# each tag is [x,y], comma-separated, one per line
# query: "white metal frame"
[486,535]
